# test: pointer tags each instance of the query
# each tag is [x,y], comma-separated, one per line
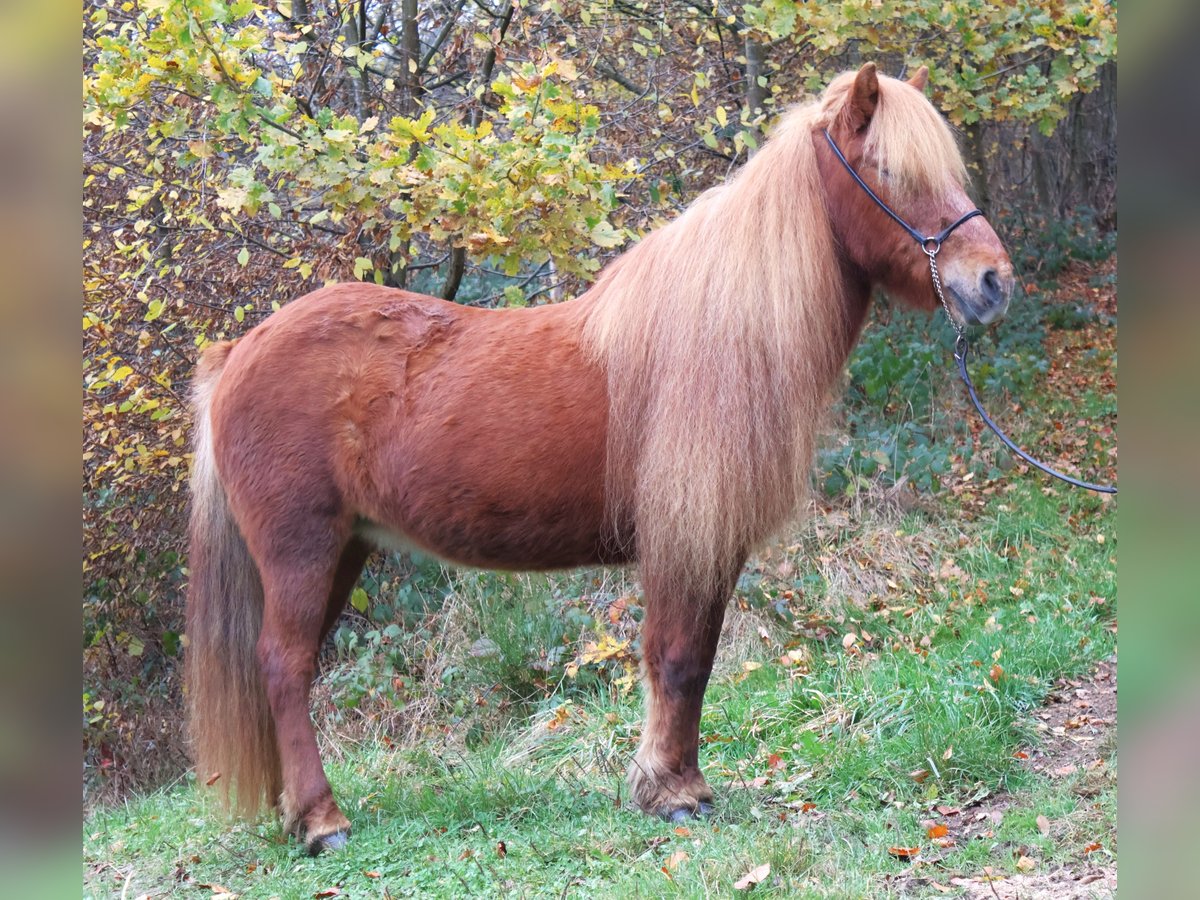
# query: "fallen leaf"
[682,831]
[937,831]
[1025,864]
[995,673]
[755,876]
[1043,824]
[371,874]
[807,806]
[1092,847]
[676,859]
[919,775]
[904,852]
[1020,754]
[328,892]
[615,611]
[212,779]
[501,849]
[849,640]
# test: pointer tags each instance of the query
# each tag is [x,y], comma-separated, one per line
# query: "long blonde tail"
[232,731]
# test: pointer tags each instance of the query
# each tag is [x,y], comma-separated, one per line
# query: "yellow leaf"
[755,876]
[604,235]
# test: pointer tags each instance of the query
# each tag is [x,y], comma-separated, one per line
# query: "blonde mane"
[724,332]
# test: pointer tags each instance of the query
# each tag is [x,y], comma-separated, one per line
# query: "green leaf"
[359,599]
[243,256]
[604,235]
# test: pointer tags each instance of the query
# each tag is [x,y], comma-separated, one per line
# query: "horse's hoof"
[684,813]
[331,842]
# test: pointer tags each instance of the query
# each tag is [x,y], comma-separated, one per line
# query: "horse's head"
[902,149]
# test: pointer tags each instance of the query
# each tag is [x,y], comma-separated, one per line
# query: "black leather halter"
[930,243]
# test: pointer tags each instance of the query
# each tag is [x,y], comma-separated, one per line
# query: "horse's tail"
[231,727]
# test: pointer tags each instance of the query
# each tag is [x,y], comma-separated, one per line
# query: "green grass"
[845,736]
[965,610]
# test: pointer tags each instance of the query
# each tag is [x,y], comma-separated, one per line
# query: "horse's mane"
[723,333]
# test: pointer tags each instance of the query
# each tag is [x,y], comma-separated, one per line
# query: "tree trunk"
[458,255]
[978,165]
[411,54]
[756,94]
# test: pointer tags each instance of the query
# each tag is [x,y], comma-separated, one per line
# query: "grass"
[842,731]
[879,667]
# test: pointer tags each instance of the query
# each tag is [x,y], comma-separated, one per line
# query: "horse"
[663,418]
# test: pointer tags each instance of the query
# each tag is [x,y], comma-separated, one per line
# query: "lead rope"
[961,349]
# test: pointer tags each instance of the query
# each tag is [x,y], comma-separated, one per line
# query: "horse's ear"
[920,78]
[864,97]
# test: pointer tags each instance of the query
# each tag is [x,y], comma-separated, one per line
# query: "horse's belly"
[500,539]
[511,495]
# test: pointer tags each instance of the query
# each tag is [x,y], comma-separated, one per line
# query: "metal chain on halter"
[937,286]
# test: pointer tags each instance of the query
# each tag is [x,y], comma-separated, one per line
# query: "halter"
[931,245]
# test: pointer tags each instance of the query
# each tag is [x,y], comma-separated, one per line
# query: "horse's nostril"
[992,291]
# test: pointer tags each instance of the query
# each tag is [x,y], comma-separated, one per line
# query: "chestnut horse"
[663,418]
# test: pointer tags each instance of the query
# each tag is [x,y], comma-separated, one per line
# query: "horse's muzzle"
[987,302]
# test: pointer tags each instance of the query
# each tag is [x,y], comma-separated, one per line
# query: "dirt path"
[1078,728]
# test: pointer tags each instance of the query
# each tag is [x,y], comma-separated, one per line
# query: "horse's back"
[477,435]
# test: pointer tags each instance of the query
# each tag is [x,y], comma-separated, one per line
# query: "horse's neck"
[856,300]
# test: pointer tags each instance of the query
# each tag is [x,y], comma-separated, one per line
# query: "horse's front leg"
[679,641]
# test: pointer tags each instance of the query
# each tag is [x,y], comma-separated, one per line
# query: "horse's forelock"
[907,139]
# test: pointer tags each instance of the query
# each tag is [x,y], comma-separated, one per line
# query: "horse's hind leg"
[301,602]
[349,568]
[679,641]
